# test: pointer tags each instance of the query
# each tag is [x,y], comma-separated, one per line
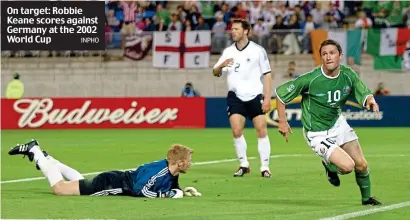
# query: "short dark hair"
[244,23]
[330,42]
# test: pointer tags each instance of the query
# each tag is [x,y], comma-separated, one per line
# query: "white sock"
[67,172]
[49,170]
[240,147]
[264,152]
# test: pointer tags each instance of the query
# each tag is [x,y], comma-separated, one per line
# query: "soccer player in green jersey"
[324,91]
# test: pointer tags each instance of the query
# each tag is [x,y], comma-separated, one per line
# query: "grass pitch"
[298,190]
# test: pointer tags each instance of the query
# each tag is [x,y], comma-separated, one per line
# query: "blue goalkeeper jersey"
[149,180]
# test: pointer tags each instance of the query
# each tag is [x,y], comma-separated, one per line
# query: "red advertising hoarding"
[94,113]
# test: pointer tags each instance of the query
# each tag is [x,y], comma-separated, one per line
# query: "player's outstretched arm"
[363,94]
[372,104]
[283,125]
[286,93]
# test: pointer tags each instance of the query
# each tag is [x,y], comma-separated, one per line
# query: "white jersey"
[245,75]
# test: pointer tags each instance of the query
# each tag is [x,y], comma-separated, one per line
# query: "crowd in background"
[279,26]
[272,21]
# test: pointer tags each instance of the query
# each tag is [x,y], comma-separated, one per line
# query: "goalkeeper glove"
[173,194]
[191,191]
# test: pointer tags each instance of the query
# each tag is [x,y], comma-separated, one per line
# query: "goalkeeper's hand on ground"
[191,191]
[173,194]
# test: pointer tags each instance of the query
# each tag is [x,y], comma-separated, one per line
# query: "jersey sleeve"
[291,89]
[360,90]
[221,59]
[264,63]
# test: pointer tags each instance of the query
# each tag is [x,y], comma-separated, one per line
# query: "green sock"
[363,181]
[333,168]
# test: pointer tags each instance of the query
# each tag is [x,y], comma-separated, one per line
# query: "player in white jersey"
[245,64]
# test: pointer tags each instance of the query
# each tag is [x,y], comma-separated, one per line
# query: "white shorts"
[324,142]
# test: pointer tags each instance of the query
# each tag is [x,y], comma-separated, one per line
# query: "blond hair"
[178,152]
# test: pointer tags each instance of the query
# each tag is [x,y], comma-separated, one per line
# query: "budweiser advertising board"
[94,113]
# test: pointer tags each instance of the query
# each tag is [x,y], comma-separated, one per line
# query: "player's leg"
[106,183]
[264,147]
[236,112]
[254,110]
[50,170]
[67,172]
[334,159]
[237,122]
[362,172]
[343,162]
[66,188]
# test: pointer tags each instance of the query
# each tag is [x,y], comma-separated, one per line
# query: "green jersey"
[323,96]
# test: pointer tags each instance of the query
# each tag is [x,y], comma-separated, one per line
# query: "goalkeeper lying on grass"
[158,179]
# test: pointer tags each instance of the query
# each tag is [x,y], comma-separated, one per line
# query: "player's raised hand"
[372,104]
[284,129]
[228,62]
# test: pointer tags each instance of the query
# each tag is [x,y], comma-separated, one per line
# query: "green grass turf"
[298,190]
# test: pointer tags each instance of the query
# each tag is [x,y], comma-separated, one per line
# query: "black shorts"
[107,183]
[248,109]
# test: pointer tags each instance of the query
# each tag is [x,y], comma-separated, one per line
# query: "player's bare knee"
[260,125]
[237,132]
[261,132]
[361,166]
[347,167]
[59,188]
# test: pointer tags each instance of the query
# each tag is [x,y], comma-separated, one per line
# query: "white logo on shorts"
[322,150]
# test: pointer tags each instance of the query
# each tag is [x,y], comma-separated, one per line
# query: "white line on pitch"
[368,212]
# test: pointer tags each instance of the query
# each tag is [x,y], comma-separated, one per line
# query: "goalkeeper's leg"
[67,172]
[49,169]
